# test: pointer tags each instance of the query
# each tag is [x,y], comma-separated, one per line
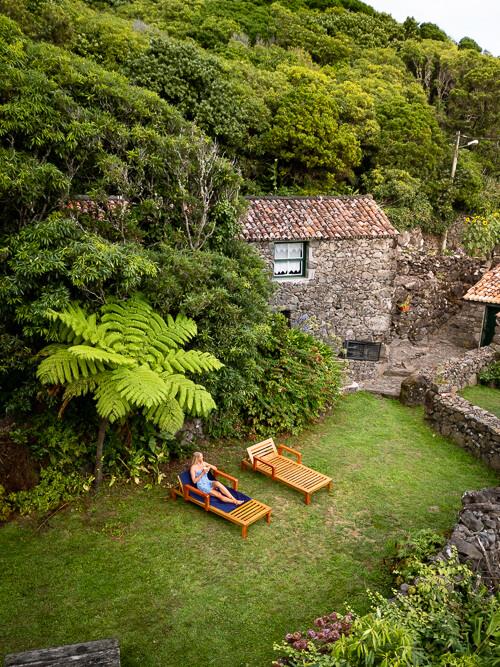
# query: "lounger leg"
[244,531]
[308,499]
[268,517]
[330,486]
[173,494]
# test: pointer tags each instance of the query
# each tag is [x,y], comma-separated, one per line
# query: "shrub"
[446,619]
[5,508]
[299,378]
[54,489]
[414,550]
[491,374]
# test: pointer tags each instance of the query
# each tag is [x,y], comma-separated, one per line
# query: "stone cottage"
[333,262]
[486,293]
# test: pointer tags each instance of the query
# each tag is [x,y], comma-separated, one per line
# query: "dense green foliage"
[171,108]
[131,361]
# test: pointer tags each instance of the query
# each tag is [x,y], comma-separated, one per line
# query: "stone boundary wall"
[453,375]
[476,535]
[469,426]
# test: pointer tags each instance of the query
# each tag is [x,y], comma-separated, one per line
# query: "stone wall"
[476,535]
[434,286]
[348,288]
[347,292]
[450,377]
[471,427]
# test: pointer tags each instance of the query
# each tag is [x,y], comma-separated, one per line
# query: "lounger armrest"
[187,487]
[232,479]
[256,460]
[292,451]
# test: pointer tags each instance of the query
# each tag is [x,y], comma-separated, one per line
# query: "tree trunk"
[103,425]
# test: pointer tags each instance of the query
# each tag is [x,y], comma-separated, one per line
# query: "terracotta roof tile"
[487,290]
[304,218]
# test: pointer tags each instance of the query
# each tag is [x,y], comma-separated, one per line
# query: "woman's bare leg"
[225,498]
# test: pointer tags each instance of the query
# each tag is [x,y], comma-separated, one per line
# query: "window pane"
[294,267]
[294,250]
[281,250]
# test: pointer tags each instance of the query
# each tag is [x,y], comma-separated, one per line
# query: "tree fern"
[131,360]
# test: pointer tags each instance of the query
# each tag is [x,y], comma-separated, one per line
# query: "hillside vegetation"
[177,108]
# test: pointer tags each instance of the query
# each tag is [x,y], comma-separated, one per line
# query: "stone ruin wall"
[347,292]
[435,285]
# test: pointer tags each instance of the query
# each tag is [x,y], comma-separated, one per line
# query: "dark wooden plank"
[100,653]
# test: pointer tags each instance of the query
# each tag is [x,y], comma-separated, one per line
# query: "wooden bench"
[104,652]
[243,515]
[268,460]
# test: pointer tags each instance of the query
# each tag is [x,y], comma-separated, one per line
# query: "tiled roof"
[83,204]
[303,218]
[487,290]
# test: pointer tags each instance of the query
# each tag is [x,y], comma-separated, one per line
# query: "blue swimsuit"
[204,484]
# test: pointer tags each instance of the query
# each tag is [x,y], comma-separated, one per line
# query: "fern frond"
[191,361]
[62,367]
[96,354]
[82,386]
[141,386]
[109,402]
[192,398]
[168,416]
[76,321]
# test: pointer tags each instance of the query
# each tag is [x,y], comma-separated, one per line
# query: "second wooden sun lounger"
[268,460]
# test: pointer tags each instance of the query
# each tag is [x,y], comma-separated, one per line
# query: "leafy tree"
[132,360]
[308,136]
[432,31]
[402,196]
[469,43]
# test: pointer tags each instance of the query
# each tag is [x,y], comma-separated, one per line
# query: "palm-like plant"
[132,360]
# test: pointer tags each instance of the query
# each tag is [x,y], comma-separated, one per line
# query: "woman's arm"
[196,478]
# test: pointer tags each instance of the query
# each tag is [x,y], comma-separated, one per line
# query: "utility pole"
[474,142]
[455,157]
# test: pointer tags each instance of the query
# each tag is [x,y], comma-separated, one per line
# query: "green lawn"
[487,398]
[179,587]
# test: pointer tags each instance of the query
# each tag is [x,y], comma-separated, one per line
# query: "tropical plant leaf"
[77,323]
[168,416]
[191,361]
[62,367]
[110,404]
[97,354]
[141,386]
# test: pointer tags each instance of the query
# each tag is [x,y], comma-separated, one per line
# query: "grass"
[179,587]
[487,398]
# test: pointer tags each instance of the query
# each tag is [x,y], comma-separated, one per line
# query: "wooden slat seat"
[265,458]
[242,515]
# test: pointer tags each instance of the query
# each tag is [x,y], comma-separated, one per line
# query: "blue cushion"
[185,478]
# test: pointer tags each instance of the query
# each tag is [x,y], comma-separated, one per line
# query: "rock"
[473,523]
[467,549]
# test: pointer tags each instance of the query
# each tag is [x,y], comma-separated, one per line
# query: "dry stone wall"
[476,536]
[453,375]
[434,286]
[471,427]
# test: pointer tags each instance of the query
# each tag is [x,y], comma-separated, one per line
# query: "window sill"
[291,279]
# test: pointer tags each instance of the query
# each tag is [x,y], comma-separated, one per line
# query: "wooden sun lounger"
[242,515]
[268,460]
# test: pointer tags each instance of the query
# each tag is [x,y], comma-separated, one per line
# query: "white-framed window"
[289,260]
